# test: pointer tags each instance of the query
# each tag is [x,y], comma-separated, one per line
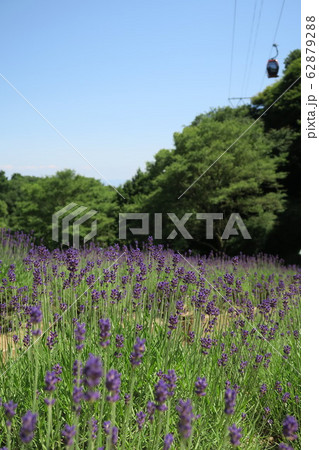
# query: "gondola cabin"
[272,68]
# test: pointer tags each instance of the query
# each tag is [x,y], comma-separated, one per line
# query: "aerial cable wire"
[249,45]
[232,47]
[254,44]
[273,41]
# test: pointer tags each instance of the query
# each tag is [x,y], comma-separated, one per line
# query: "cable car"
[273,65]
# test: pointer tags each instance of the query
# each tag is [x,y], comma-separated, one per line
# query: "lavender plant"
[143,348]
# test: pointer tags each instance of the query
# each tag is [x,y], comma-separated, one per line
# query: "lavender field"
[145,348]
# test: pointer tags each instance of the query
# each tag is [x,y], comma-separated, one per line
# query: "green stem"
[8,429]
[158,431]
[49,424]
[129,409]
[35,381]
[221,447]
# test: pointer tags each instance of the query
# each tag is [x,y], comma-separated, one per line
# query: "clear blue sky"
[118,78]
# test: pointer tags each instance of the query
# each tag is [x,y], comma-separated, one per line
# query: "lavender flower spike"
[68,434]
[138,352]
[235,435]
[290,427]
[29,422]
[113,384]
[168,441]
[200,386]
[230,401]
[186,416]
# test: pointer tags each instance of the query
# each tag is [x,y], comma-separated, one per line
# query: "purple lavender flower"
[93,371]
[115,435]
[283,446]
[80,335]
[235,435]
[119,341]
[287,350]
[285,397]
[243,366]
[72,259]
[170,379]
[107,427]
[140,419]
[161,394]
[77,396]
[92,374]
[230,401]
[290,427]
[206,344]
[113,384]
[173,321]
[52,339]
[138,351]
[191,337]
[57,368]
[263,389]
[151,408]
[35,314]
[179,306]
[29,422]
[77,370]
[259,358]
[26,340]
[105,332]
[10,411]
[51,379]
[168,441]
[200,386]
[68,434]
[11,273]
[93,427]
[186,416]
[223,360]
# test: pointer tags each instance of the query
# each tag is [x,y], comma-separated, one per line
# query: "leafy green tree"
[243,180]
[41,199]
[285,114]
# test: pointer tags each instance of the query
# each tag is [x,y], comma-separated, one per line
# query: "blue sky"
[117,79]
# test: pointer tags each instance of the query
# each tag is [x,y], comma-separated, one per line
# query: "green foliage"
[245,180]
[32,201]
[285,238]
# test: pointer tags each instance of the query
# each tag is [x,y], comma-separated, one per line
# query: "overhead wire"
[254,45]
[249,45]
[232,48]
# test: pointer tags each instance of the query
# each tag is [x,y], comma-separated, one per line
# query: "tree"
[285,114]
[244,180]
[42,197]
